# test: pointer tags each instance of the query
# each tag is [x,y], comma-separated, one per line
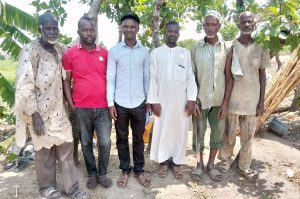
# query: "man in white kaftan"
[172,94]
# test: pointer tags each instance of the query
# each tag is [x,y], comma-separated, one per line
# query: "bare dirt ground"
[277,159]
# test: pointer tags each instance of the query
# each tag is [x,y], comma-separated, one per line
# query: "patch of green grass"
[8,69]
[266,196]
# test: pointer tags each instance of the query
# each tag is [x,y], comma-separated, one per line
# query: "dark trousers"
[137,118]
[88,120]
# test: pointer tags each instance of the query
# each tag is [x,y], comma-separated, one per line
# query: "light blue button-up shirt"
[127,75]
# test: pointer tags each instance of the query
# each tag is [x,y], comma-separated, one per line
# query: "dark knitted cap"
[46,18]
[130,15]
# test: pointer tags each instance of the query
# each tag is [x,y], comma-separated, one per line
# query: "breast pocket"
[256,62]
[221,61]
[180,73]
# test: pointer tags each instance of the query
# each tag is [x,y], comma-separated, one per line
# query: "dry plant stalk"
[283,82]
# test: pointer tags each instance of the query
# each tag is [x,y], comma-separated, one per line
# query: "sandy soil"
[277,159]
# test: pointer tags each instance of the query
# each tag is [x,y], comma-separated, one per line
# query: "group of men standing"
[126,82]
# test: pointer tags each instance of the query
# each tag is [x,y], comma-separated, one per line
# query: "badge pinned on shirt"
[101,58]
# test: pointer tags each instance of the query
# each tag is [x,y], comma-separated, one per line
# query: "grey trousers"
[45,165]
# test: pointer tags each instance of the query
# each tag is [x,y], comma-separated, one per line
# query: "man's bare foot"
[163,170]
[177,172]
[123,180]
[143,180]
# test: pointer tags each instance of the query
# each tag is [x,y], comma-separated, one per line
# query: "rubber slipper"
[250,175]
[91,182]
[197,173]
[50,193]
[105,181]
[9,165]
[78,195]
[225,166]
[22,164]
[215,175]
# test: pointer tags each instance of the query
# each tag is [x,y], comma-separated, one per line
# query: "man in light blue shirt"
[127,88]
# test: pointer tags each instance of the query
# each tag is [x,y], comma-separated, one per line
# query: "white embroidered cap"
[213,13]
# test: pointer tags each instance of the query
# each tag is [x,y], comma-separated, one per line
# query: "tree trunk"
[155,23]
[296,101]
[120,35]
[240,6]
[284,81]
[93,13]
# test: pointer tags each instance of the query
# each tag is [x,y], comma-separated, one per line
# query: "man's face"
[49,32]
[87,32]
[246,23]
[129,28]
[211,26]
[172,34]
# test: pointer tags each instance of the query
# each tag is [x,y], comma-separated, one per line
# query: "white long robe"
[172,83]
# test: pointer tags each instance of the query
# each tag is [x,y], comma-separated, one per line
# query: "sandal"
[197,173]
[78,195]
[50,192]
[22,164]
[91,182]
[9,165]
[250,175]
[163,171]
[225,166]
[177,172]
[215,174]
[123,180]
[143,180]
[105,181]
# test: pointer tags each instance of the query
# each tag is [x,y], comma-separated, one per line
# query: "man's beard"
[53,41]
[45,38]
[246,32]
[211,36]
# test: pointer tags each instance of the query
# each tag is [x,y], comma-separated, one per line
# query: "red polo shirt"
[89,75]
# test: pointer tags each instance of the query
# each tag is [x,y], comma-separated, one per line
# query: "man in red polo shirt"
[86,64]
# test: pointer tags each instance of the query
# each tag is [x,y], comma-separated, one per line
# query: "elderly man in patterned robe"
[39,107]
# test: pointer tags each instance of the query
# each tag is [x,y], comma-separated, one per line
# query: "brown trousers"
[45,165]
[247,125]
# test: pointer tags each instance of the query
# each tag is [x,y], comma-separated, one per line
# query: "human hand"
[260,108]
[149,108]
[156,109]
[197,111]
[113,112]
[190,108]
[222,111]
[38,124]
[72,108]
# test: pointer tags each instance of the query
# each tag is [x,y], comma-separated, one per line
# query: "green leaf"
[15,17]
[44,6]
[274,10]
[7,91]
